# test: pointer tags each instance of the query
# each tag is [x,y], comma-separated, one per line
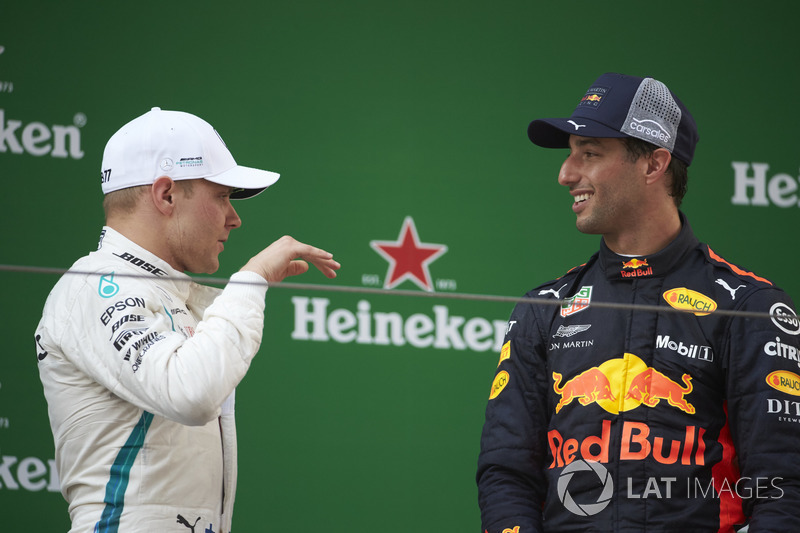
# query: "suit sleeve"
[510,477]
[149,364]
[764,410]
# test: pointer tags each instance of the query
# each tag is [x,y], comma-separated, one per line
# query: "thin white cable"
[396,292]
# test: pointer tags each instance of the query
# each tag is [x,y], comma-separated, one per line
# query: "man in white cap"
[139,363]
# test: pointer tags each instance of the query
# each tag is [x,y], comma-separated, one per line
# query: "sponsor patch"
[785,318]
[689,300]
[108,287]
[569,331]
[636,268]
[499,383]
[505,353]
[623,384]
[777,348]
[784,381]
[692,351]
[578,302]
[593,97]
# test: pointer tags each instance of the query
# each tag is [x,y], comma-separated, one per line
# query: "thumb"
[296,267]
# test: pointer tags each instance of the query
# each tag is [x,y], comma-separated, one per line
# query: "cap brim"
[246,181]
[555,132]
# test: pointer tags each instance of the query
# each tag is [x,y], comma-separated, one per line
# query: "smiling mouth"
[582,197]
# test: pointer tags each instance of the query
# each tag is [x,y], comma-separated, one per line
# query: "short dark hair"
[677,168]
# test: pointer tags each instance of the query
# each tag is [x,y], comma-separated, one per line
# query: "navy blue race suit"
[663,414]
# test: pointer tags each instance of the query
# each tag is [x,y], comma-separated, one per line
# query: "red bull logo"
[591,98]
[623,384]
[651,386]
[590,386]
[635,268]
[635,263]
[637,445]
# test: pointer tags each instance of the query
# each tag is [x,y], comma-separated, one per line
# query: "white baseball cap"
[180,146]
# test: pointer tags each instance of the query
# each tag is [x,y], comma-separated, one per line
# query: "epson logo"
[39,139]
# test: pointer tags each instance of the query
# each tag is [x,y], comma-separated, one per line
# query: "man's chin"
[587,227]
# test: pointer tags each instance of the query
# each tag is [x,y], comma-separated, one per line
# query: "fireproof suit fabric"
[630,420]
[139,365]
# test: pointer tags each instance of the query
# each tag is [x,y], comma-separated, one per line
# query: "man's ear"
[163,195]
[657,165]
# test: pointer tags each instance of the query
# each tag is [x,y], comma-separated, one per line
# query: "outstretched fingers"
[289,257]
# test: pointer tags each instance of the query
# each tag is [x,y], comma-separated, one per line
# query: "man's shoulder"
[736,287]
[102,275]
[557,287]
[717,261]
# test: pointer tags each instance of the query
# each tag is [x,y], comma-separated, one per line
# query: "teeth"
[582,197]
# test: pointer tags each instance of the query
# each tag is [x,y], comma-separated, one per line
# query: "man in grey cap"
[139,363]
[666,413]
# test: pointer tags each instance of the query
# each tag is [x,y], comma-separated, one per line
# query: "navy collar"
[619,267]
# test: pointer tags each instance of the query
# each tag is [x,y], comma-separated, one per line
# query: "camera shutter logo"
[585,509]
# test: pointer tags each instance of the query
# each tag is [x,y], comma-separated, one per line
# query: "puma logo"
[182,520]
[553,292]
[728,288]
[576,124]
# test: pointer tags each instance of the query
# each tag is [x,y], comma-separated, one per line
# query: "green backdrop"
[372,112]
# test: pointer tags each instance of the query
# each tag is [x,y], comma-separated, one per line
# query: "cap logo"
[167,164]
[576,124]
[651,130]
[653,116]
[188,162]
[593,97]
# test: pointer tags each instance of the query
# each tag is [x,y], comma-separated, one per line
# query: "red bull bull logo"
[590,386]
[635,268]
[635,263]
[623,384]
[591,98]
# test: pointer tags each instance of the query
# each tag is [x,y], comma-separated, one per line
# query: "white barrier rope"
[396,292]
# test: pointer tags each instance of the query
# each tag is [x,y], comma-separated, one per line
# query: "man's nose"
[568,175]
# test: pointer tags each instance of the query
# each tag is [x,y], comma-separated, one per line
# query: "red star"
[408,258]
